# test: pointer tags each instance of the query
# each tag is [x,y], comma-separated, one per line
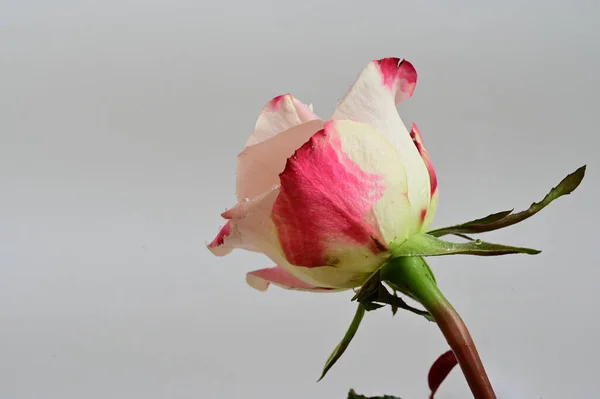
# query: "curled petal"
[261,279]
[372,99]
[259,165]
[248,227]
[399,76]
[281,113]
[217,246]
[283,125]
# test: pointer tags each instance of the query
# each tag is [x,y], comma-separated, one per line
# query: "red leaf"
[439,371]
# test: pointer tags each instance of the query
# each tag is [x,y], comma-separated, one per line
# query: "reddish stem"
[461,342]
[412,276]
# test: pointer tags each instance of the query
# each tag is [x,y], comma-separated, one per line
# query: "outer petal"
[259,165]
[372,99]
[280,129]
[250,227]
[260,280]
[426,213]
[342,199]
[279,114]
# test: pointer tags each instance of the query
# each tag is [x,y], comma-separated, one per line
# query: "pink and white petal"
[371,150]
[372,99]
[248,227]
[330,276]
[261,279]
[230,237]
[426,213]
[325,213]
[417,138]
[322,276]
[218,246]
[280,114]
[259,165]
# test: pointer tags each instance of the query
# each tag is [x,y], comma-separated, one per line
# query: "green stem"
[414,279]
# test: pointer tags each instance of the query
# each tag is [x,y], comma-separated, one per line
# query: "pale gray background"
[119,126]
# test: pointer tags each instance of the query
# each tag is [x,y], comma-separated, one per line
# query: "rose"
[346,203]
[323,200]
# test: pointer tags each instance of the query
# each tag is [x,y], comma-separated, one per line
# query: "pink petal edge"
[398,75]
[261,279]
[248,227]
[259,165]
[279,114]
[415,134]
[216,245]
[417,139]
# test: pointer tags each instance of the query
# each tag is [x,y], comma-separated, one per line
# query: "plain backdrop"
[120,121]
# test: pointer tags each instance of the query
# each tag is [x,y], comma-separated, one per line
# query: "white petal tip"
[257,283]
[219,250]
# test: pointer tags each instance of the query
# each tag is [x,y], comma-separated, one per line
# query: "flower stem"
[459,339]
[417,281]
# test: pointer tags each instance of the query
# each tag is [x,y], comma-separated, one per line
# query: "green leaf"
[439,371]
[427,245]
[354,395]
[341,347]
[503,219]
[369,306]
